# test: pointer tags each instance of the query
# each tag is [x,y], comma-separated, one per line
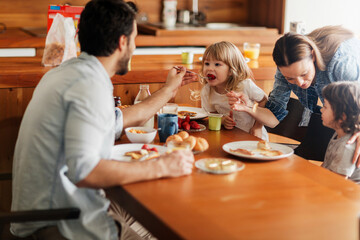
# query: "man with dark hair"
[62,155]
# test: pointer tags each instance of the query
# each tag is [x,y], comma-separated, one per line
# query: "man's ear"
[122,42]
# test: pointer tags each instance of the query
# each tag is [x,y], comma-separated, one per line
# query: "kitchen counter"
[152,36]
[23,72]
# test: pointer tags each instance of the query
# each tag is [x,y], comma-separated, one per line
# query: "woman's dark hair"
[321,44]
[102,23]
[293,47]
[344,98]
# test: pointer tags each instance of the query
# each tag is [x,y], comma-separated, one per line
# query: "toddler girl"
[226,71]
[341,112]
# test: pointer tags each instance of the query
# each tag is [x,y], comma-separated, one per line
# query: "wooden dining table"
[288,198]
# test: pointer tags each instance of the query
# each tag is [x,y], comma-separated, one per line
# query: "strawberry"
[194,125]
[187,119]
[211,76]
[154,149]
[146,147]
[185,126]
[180,121]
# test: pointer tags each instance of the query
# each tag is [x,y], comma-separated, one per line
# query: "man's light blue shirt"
[344,66]
[68,126]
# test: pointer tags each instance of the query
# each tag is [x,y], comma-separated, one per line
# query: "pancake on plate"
[186,113]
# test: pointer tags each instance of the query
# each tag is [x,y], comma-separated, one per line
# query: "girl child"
[341,112]
[226,71]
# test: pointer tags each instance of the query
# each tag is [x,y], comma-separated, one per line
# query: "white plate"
[202,128]
[118,151]
[200,164]
[200,113]
[252,145]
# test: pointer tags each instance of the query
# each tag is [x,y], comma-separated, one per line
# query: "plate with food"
[219,165]
[192,112]
[258,150]
[134,152]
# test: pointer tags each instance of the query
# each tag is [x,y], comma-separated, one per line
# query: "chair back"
[288,127]
[316,140]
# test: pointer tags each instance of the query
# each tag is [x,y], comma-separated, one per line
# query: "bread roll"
[183,134]
[191,140]
[263,145]
[201,144]
[175,138]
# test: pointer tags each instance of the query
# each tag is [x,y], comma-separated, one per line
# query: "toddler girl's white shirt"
[212,101]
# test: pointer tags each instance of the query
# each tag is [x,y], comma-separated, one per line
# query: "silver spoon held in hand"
[193,73]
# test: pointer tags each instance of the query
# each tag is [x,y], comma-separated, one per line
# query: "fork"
[193,73]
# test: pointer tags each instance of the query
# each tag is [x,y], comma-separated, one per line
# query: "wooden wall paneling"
[269,13]
[13,103]
[23,13]
[225,11]
[128,92]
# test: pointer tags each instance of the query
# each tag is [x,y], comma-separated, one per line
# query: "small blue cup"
[167,125]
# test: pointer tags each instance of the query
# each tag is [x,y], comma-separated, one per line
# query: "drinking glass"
[170,108]
[251,50]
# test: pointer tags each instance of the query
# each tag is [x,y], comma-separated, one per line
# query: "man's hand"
[356,137]
[179,77]
[177,163]
[228,121]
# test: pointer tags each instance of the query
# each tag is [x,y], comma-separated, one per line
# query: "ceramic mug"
[167,125]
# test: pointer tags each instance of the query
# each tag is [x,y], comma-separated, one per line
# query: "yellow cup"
[251,50]
[215,121]
[187,57]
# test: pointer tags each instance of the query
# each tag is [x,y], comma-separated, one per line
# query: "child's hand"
[228,121]
[356,157]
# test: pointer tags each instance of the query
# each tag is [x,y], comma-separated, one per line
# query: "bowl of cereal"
[140,134]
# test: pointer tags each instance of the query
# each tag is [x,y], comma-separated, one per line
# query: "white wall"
[318,13]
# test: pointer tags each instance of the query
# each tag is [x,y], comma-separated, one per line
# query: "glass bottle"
[141,96]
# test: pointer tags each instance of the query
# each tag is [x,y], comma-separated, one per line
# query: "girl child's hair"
[344,99]
[324,42]
[231,56]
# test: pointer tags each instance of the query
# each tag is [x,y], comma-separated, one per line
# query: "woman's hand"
[238,101]
[228,121]
[356,137]
[256,130]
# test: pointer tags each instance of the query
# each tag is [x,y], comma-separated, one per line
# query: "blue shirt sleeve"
[345,64]
[279,97]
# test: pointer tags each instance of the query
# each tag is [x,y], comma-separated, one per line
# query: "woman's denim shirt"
[344,66]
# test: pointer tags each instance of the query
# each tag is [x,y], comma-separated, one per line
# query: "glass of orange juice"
[251,50]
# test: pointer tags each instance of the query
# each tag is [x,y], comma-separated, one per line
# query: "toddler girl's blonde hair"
[231,56]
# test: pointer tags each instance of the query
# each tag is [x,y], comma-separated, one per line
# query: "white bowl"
[141,137]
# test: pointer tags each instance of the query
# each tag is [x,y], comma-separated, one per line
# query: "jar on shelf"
[169,13]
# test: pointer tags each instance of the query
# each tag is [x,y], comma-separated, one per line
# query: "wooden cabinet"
[267,13]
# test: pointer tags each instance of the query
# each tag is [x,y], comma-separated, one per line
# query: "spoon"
[193,73]
[239,99]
